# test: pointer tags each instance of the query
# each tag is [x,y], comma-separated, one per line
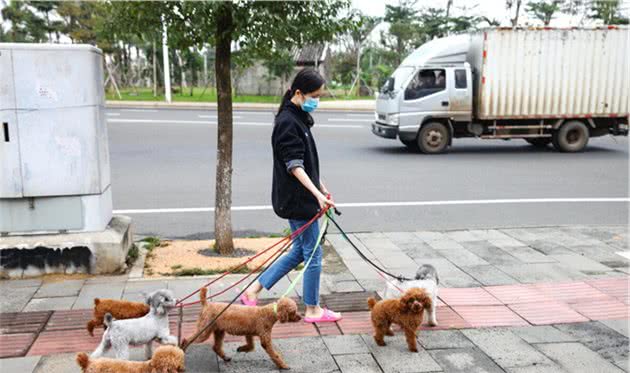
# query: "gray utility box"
[54,158]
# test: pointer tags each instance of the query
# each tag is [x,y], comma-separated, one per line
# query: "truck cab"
[430,90]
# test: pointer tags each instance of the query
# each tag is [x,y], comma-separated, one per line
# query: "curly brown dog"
[166,359]
[246,321]
[405,311]
[120,309]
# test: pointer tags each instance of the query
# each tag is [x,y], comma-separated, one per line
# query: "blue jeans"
[300,252]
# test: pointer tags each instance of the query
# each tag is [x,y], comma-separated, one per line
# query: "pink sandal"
[327,316]
[248,302]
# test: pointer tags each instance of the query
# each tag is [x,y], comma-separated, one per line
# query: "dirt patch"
[198,257]
[60,277]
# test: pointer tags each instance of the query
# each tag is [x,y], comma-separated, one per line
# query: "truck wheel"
[411,145]
[541,142]
[571,137]
[433,138]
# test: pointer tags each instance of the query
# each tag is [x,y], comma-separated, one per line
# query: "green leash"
[322,231]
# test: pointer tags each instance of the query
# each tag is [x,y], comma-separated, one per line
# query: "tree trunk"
[518,9]
[154,70]
[223,193]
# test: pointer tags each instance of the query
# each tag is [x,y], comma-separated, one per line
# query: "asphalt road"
[165,159]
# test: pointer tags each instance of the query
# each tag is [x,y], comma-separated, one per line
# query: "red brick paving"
[536,304]
[544,313]
[487,316]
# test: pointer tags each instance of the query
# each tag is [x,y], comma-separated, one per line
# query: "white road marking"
[348,119]
[388,204]
[365,115]
[259,124]
[215,116]
[112,114]
[140,110]
[625,254]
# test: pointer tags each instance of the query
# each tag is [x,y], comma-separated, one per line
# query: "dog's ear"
[405,301]
[286,309]
[157,302]
[146,296]
[437,278]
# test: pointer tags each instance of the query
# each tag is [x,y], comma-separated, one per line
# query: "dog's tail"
[83,360]
[203,294]
[90,327]
[107,320]
[371,303]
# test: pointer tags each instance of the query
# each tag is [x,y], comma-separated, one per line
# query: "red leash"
[290,237]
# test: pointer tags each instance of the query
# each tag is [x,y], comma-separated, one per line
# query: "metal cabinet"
[53,151]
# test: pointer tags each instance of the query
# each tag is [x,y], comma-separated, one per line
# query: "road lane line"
[112,114]
[389,204]
[215,117]
[139,110]
[349,119]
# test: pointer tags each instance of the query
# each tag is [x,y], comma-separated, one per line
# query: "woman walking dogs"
[297,192]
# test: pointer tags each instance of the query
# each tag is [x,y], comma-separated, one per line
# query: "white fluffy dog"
[139,331]
[427,279]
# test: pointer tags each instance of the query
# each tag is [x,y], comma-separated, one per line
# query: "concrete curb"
[350,105]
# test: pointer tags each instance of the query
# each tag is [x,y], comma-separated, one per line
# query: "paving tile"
[23,322]
[306,354]
[445,244]
[464,360]
[513,294]
[571,292]
[402,237]
[548,312]
[68,288]
[575,357]
[201,359]
[103,291]
[57,364]
[541,334]
[27,283]
[418,251]
[487,234]
[581,263]
[505,348]
[489,275]
[620,325]
[528,255]
[490,253]
[611,345]
[107,279]
[346,286]
[486,316]
[462,236]
[506,242]
[463,257]
[428,236]
[49,342]
[467,297]
[357,363]
[541,272]
[69,320]
[345,344]
[447,319]
[549,248]
[46,304]
[19,364]
[599,253]
[443,339]
[144,285]
[615,287]
[328,329]
[13,345]
[602,309]
[537,369]
[396,358]
[355,323]
[14,299]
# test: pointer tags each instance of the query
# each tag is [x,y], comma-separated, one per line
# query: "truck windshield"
[397,79]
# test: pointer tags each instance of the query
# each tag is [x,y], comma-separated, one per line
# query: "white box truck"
[542,85]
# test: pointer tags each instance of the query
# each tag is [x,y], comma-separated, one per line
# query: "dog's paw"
[245,348]
[227,358]
[433,323]
[381,343]
[413,349]
[283,366]
[389,333]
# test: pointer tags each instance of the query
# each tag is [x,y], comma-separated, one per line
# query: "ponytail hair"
[307,80]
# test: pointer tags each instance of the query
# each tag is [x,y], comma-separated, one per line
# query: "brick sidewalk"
[521,300]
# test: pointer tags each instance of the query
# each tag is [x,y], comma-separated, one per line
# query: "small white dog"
[427,279]
[139,331]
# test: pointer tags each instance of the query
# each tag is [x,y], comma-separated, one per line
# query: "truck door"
[425,95]
[460,91]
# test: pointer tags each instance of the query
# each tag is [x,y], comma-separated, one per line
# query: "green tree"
[608,11]
[543,10]
[25,26]
[45,7]
[280,65]
[358,34]
[256,27]
[403,27]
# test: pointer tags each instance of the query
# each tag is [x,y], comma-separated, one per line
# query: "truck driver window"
[460,79]
[426,82]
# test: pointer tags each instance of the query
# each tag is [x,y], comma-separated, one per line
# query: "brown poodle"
[246,321]
[166,359]
[405,311]
[120,309]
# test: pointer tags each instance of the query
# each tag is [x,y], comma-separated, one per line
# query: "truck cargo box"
[551,73]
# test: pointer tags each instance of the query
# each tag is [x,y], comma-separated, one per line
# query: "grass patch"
[182,272]
[176,267]
[132,255]
[210,95]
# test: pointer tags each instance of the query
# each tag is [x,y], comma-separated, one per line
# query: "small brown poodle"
[405,311]
[120,309]
[166,359]
[246,321]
